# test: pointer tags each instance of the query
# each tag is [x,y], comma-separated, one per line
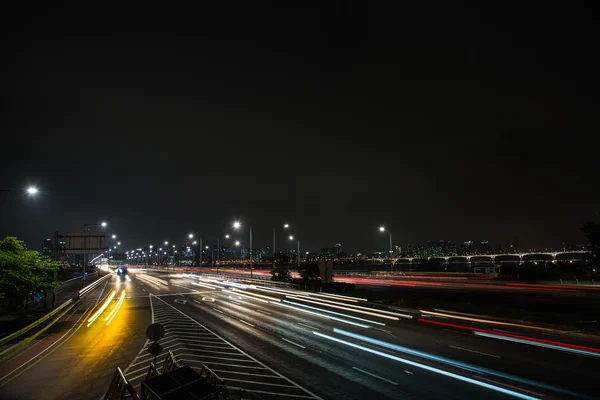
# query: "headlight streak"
[321,315]
[512,338]
[432,369]
[336,313]
[154,280]
[525,339]
[127,278]
[354,308]
[116,308]
[205,285]
[454,363]
[262,296]
[102,308]
[485,321]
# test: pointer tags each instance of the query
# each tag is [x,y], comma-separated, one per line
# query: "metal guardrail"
[120,388]
[52,313]
[29,327]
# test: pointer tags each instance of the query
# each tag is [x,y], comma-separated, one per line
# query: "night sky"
[439,120]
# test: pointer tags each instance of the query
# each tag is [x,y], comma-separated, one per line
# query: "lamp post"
[297,251]
[382,229]
[237,225]
[285,226]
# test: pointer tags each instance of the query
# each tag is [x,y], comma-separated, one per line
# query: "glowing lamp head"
[237,224]
[381,229]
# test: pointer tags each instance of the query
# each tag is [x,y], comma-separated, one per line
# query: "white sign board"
[85,242]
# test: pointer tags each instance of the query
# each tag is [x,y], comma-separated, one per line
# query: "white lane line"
[308,326]
[282,394]
[247,323]
[261,383]
[263,312]
[408,372]
[312,395]
[223,364]
[295,344]
[473,351]
[217,310]
[227,371]
[375,376]
[196,301]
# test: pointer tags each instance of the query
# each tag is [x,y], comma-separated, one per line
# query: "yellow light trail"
[115,310]
[101,309]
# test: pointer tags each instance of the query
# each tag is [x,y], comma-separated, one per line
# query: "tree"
[309,271]
[592,233]
[23,272]
[281,258]
[280,273]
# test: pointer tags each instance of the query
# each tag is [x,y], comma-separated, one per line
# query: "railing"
[170,363]
[62,309]
[120,388]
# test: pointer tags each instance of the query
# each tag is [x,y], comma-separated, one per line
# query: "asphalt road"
[261,344]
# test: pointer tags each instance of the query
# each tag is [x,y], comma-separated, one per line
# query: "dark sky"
[439,120]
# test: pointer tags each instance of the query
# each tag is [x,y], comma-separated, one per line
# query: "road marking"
[196,301]
[295,344]
[308,392]
[260,383]
[223,364]
[217,310]
[244,373]
[408,372]
[263,312]
[375,376]
[473,351]
[247,323]
[308,326]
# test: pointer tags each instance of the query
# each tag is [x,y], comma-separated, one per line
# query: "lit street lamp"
[285,226]
[297,251]
[237,225]
[382,229]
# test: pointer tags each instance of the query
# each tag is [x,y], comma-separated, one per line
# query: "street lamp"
[32,190]
[114,236]
[118,243]
[297,251]
[191,236]
[237,225]
[285,226]
[382,229]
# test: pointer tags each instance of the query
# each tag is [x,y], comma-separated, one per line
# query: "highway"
[281,343]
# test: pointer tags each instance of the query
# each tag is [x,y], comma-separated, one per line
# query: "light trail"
[336,313]
[432,369]
[454,363]
[156,281]
[358,309]
[102,308]
[206,285]
[115,310]
[260,296]
[485,321]
[321,315]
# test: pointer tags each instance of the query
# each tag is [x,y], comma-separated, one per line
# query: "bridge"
[519,258]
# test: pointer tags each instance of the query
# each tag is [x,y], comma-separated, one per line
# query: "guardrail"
[52,313]
[93,285]
[120,388]
[29,327]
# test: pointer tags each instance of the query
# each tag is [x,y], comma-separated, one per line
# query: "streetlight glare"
[291,238]
[191,235]
[32,190]
[114,236]
[226,236]
[237,224]
[103,224]
[194,242]
[381,229]
[206,247]
[119,243]
[151,246]
[286,225]
[237,243]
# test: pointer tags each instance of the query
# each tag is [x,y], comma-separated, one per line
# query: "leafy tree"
[281,258]
[592,233]
[309,271]
[280,273]
[22,272]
